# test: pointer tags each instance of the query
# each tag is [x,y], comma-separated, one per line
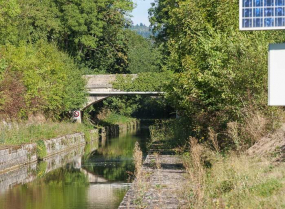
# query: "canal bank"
[13,157]
[101,175]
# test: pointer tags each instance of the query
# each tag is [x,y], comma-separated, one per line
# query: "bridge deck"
[113,93]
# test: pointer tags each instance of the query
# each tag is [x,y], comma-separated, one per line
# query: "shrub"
[221,71]
[41,79]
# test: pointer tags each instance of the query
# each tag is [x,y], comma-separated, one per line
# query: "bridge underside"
[95,97]
[100,87]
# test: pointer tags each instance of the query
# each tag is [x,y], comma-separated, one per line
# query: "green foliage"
[10,10]
[90,31]
[148,81]
[87,136]
[123,105]
[143,56]
[51,82]
[35,72]
[222,72]
[41,169]
[173,131]
[41,149]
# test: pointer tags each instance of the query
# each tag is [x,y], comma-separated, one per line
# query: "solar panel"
[262,14]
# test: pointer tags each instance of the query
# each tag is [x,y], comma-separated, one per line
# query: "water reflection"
[96,180]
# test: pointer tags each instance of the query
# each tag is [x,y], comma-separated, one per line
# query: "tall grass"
[141,183]
[220,173]
[138,160]
[232,181]
[15,134]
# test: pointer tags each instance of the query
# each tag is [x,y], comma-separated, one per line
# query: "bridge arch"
[99,87]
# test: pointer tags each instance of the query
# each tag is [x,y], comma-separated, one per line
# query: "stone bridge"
[100,87]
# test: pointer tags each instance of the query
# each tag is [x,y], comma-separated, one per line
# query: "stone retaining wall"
[11,157]
[57,161]
[60,144]
[22,175]
[28,173]
[115,130]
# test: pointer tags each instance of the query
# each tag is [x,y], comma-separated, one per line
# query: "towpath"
[163,177]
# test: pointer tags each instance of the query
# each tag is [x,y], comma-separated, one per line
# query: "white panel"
[276,75]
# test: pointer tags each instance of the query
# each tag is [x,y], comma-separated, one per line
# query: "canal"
[94,180]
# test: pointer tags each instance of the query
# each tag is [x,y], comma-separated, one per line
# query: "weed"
[141,182]
[233,181]
[41,149]
[41,169]
[213,136]
[138,157]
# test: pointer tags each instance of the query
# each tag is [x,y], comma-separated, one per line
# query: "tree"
[222,72]
[142,55]
[38,78]
[9,11]
[90,31]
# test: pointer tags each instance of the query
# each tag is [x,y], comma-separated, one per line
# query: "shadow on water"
[96,180]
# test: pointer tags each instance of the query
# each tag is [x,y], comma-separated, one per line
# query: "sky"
[140,13]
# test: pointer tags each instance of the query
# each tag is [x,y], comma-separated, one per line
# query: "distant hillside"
[142,30]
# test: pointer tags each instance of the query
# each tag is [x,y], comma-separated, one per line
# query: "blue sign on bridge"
[262,14]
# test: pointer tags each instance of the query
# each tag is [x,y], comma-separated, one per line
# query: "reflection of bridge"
[93,178]
[100,87]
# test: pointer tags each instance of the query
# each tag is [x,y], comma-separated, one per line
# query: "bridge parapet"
[103,81]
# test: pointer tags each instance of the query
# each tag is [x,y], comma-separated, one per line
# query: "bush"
[221,71]
[148,81]
[38,78]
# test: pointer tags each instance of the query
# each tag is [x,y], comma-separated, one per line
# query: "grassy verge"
[232,181]
[114,118]
[16,134]
[224,179]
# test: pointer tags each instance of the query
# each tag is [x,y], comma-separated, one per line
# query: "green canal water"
[94,180]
